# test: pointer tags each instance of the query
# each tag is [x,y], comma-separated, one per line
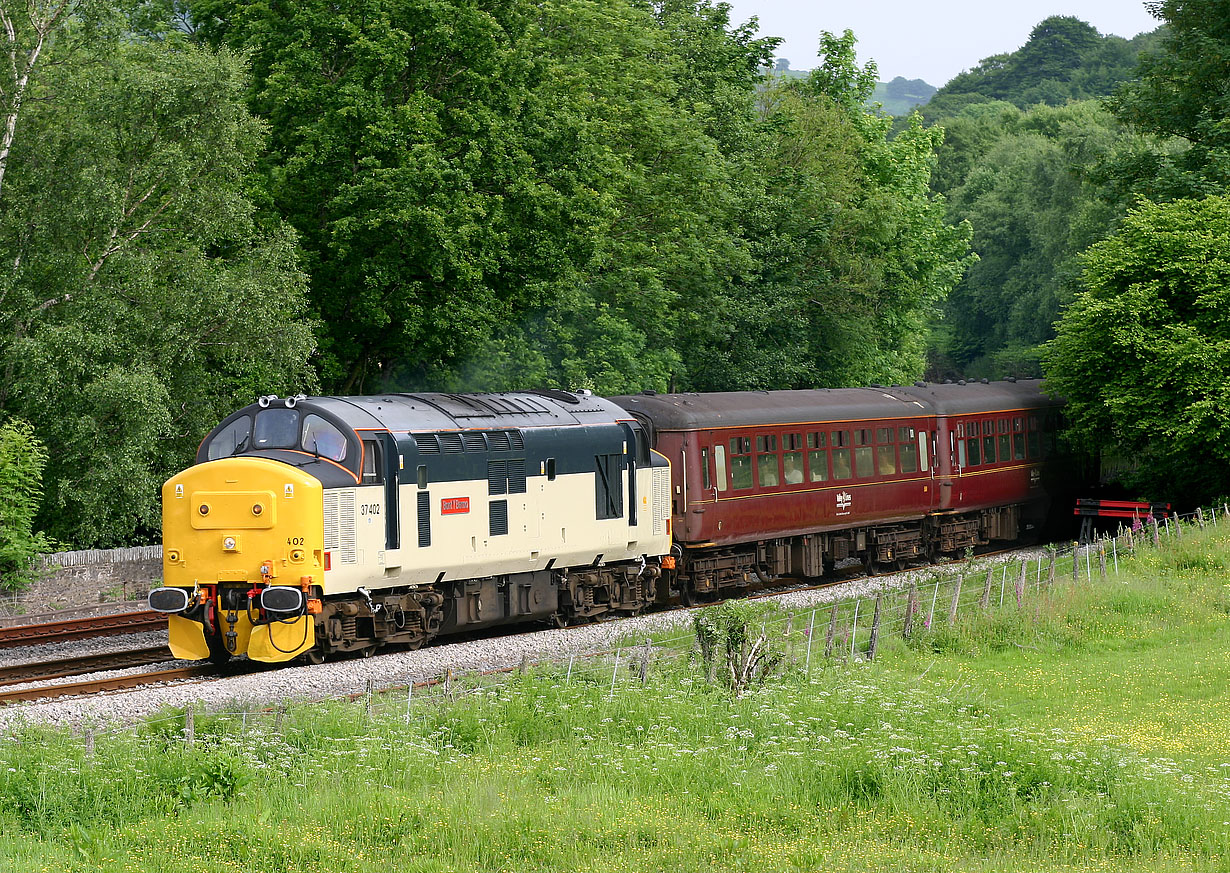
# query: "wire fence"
[804,641]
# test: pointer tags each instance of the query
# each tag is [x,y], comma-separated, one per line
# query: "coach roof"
[757,408]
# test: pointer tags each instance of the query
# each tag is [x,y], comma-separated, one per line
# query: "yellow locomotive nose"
[225,546]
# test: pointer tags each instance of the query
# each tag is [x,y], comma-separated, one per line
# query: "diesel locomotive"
[316,525]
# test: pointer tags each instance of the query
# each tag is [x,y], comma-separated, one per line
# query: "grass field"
[1090,732]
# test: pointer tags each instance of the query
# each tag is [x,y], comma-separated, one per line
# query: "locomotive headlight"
[230,544]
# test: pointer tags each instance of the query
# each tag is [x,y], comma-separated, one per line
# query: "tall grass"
[1087,731]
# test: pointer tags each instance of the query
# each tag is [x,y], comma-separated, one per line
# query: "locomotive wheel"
[314,656]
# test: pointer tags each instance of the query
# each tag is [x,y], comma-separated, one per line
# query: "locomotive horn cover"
[232,551]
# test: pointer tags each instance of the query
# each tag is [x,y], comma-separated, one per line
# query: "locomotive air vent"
[450,442]
[427,443]
[474,441]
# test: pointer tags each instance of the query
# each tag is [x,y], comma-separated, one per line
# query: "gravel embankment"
[350,676]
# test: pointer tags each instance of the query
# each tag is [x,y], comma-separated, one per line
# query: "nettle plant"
[735,647]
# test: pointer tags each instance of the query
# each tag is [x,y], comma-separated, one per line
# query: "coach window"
[1018,438]
[1005,441]
[841,456]
[719,465]
[886,452]
[792,459]
[741,463]
[1035,441]
[766,460]
[988,442]
[231,440]
[974,451]
[907,449]
[817,458]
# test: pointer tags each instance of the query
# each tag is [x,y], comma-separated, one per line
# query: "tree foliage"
[1063,59]
[22,459]
[141,295]
[1143,354]
[1182,93]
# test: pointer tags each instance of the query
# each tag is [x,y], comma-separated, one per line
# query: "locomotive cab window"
[277,429]
[231,440]
[373,466]
[322,438]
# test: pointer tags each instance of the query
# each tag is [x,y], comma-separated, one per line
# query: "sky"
[932,40]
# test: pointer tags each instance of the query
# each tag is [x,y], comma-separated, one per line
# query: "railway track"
[65,667]
[115,683]
[81,628]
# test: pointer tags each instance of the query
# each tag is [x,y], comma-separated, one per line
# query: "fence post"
[790,638]
[1050,570]
[1102,559]
[1156,541]
[875,631]
[1200,516]
[934,596]
[911,606]
[615,672]
[985,600]
[1020,587]
[811,627]
[854,628]
[1114,551]
[1076,562]
[1003,583]
[645,662]
[1178,527]
[956,597]
[367,703]
[568,676]
[828,637]
[89,744]
[190,728]
[409,698]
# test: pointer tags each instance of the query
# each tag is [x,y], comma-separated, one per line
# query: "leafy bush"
[22,458]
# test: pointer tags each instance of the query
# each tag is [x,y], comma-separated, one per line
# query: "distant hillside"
[898,97]
[902,95]
[1064,59]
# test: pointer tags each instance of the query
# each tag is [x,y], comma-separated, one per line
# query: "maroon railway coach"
[791,482]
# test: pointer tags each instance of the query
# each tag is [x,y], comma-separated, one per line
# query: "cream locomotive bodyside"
[552,523]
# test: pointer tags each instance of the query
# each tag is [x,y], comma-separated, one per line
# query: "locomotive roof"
[438,411]
[757,408]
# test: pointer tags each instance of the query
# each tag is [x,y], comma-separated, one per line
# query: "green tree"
[141,298]
[851,248]
[1033,192]
[1182,93]
[1142,355]
[22,459]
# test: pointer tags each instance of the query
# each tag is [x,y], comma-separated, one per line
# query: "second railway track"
[81,628]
